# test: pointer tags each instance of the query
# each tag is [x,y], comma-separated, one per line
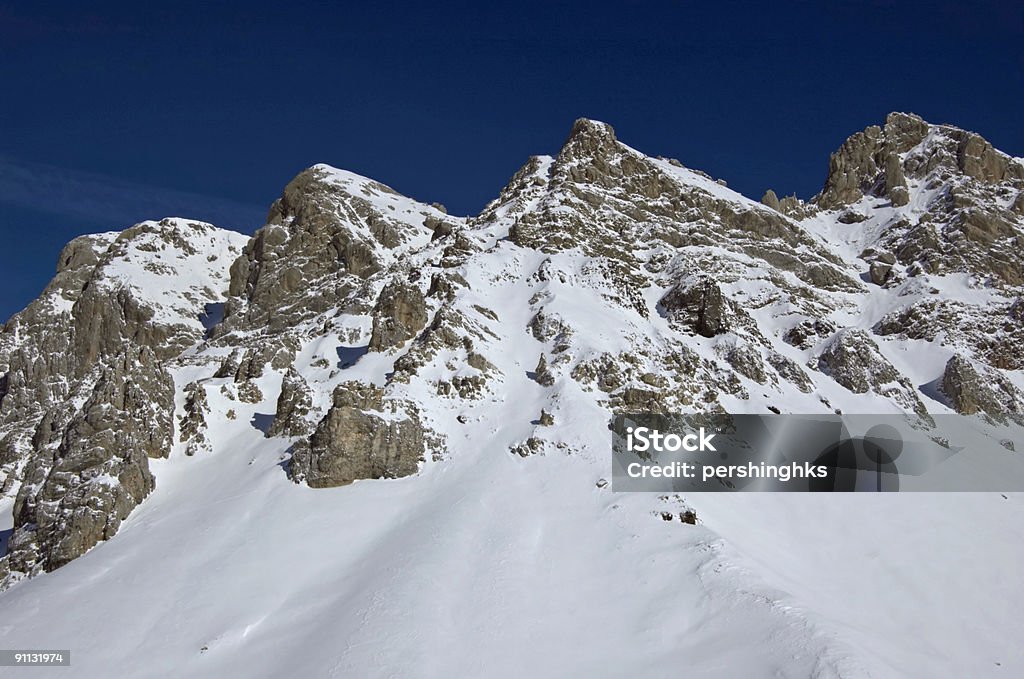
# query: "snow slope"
[489,565]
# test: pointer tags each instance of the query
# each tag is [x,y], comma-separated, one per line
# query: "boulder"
[973,389]
[700,305]
[360,437]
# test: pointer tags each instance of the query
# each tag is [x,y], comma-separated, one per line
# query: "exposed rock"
[978,159]
[1016,310]
[700,305]
[747,361]
[1018,204]
[851,217]
[879,272]
[591,233]
[869,162]
[230,366]
[531,446]
[463,386]
[808,332]
[192,424]
[329,231]
[791,206]
[853,360]
[400,313]
[444,284]
[249,392]
[84,394]
[361,437]
[547,327]
[895,182]
[479,361]
[973,390]
[541,373]
[293,405]
[992,333]
[788,370]
[771,200]
[96,468]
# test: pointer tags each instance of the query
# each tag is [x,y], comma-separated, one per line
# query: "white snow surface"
[486,564]
[174,265]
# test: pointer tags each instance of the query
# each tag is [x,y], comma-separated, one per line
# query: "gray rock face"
[791,206]
[597,192]
[808,332]
[788,370]
[747,361]
[853,360]
[293,405]
[771,200]
[400,313]
[92,466]
[328,232]
[869,162]
[973,390]
[879,272]
[541,373]
[993,333]
[969,189]
[358,440]
[701,306]
[85,396]
[193,423]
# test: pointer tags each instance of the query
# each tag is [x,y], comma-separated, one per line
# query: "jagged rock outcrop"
[86,397]
[964,219]
[541,373]
[808,332]
[293,405]
[328,232]
[361,437]
[973,390]
[990,332]
[747,361]
[701,306]
[193,422]
[791,206]
[92,466]
[853,360]
[400,313]
[869,162]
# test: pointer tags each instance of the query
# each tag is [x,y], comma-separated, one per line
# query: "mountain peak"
[886,161]
[591,128]
[589,138]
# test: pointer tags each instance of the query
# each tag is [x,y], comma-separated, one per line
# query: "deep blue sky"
[208,109]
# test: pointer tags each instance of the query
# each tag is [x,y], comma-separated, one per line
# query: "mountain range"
[372,438]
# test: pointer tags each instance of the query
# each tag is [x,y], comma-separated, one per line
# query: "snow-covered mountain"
[210,399]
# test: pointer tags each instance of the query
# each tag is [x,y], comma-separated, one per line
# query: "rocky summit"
[361,334]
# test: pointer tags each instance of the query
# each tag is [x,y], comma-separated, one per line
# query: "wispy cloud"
[112,202]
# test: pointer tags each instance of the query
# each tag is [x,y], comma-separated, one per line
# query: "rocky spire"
[869,162]
[589,139]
